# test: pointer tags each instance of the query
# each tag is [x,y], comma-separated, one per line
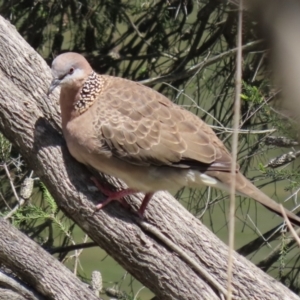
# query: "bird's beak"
[55,82]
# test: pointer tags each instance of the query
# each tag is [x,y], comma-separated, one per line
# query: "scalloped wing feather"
[143,127]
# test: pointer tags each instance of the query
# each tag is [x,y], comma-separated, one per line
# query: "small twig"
[205,275]
[191,71]
[243,131]
[11,182]
[136,295]
[143,38]
[6,203]
[12,212]
[236,119]
[274,255]
[206,204]
[77,254]
[73,247]
[295,235]
[256,230]
[258,67]
[25,194]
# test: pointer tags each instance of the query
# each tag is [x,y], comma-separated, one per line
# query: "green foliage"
[252,94]
[36,212]
[283,254]
[49,199]
[28,213]
[47,212]
[291,175]
[262,168]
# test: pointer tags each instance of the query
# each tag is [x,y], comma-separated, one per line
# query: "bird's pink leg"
[112,196]
[144,204]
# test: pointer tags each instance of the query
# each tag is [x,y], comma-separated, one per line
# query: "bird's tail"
[245,188]
[250,190]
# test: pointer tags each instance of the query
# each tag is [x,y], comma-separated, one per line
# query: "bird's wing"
[141,126]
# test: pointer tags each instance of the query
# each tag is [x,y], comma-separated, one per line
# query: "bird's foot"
[112,195]
[144,204]
[119,196]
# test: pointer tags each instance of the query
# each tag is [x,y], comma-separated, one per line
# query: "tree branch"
[37,268]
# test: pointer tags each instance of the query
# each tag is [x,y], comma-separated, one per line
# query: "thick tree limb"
[30,119]
[37,268]
[9,284]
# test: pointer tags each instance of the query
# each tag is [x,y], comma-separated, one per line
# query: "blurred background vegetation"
[186,50]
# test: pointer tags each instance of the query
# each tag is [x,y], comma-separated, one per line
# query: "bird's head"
[69,69]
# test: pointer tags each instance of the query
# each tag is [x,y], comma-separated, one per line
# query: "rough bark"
[30,120]
[7,294]
[36,268]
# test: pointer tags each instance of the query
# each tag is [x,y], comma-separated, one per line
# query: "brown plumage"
[130,131]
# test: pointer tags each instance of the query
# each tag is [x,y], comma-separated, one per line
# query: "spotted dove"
[127,130]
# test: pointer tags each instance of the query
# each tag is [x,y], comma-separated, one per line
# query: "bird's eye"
[71,71]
